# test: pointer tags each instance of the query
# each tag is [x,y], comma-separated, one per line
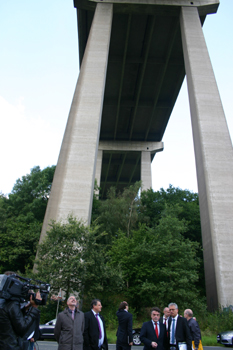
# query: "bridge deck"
[144,76]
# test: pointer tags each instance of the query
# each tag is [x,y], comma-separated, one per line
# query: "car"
[136,336]
[47,330]
[225,338]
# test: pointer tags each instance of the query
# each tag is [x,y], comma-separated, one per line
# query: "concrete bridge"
[134,55]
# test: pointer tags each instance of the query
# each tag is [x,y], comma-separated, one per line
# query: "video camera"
[17,286]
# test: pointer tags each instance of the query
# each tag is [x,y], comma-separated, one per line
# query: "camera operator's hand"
[33,302]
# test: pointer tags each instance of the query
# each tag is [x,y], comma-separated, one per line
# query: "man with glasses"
[179,337]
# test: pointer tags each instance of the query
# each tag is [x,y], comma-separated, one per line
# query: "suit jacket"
[182,333]
[124,331]
[161,320]
[91,332]
[69,333]
[148,335]
[194,331]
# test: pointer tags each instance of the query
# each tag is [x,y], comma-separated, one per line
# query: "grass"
[111,334]
[209,339]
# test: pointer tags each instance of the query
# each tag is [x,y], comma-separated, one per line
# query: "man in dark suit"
[165,317]
[95,333]
[124,331]
[178,330]
[153,333]
[194,328]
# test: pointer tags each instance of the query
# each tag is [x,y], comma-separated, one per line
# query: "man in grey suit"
[70,327]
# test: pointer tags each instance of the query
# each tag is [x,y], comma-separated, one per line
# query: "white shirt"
[101,341]
[157,326]
[175,318]
[164,318]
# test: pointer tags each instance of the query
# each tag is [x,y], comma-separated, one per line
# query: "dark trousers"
[122,346]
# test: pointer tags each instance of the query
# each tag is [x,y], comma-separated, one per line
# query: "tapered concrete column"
[214,162]
[72,189]
[146,170]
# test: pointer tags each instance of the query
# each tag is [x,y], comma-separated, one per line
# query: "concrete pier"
[134,55]
[214,161]
[73,184]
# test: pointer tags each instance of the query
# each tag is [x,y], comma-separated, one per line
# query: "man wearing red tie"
[165,317]
[153,333]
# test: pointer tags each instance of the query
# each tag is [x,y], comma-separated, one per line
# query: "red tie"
[156,330]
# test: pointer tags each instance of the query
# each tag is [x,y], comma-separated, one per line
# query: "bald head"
[166,312]
[188,314]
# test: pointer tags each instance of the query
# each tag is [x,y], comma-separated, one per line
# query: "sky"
[39,67]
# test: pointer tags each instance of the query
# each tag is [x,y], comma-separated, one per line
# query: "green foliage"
[152,206]
[95,203]
[73,260]
[21,217]
[158,264]
[144,249]
[154,203]
[30,194]
[60,256]
[119,212]
[48,312]
[18,245]
[215,322]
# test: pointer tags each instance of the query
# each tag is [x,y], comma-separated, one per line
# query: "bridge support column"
[73,183]
[146,149]
[214,161]
[146,170]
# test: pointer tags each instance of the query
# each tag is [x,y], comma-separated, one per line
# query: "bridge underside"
[144,75]
[134,57]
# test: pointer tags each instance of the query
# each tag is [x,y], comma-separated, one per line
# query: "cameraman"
[14,324]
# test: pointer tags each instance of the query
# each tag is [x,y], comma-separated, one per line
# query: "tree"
[21,219]
[30,194]
[158,264]
[119,211]
[73,260]
[153,203]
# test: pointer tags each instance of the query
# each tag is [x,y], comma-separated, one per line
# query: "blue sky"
[38,72]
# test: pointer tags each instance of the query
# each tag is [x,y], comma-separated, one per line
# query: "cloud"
[25,141]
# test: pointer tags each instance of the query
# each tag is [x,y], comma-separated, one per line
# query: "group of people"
[171,331]
[75,330]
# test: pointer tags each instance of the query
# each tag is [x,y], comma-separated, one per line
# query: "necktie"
[72,314]
[156,330]
[173,331]
[100,333]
